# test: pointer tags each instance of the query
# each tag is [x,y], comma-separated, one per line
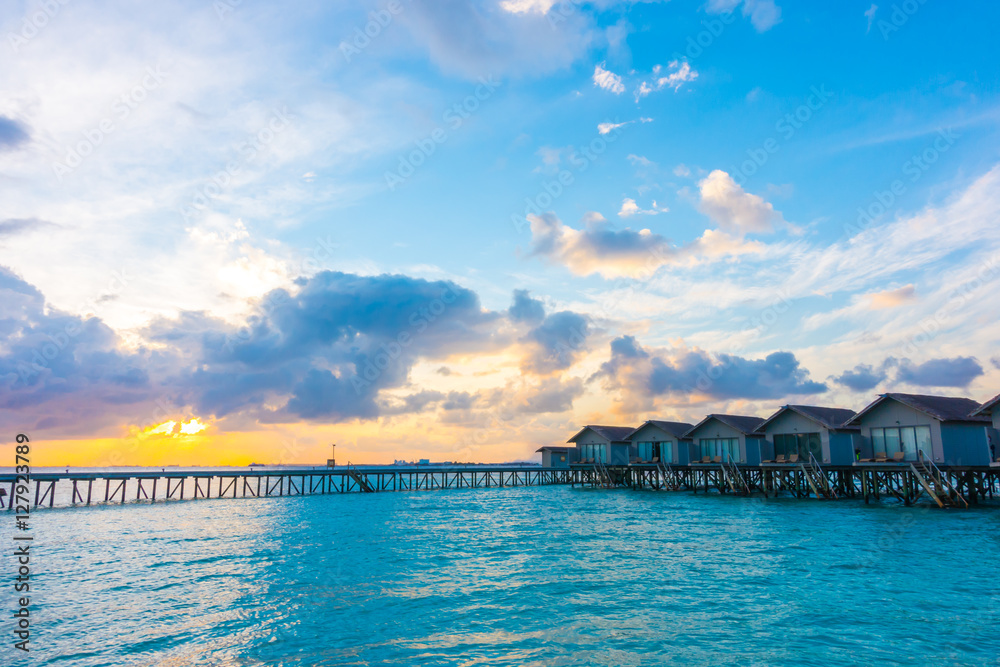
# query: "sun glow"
[174,429]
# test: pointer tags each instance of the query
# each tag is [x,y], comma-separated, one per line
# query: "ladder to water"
[937,486]
[817,478]
[359,479]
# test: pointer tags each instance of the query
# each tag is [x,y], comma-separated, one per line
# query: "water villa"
[798,432]
[726,439]
[661,441]
[908,427]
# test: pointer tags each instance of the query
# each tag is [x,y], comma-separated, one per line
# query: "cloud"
[618,253]
[527,6]
[679,73]
[12,226]
[598,248]
[61,373]
[635,370]
[472,39]
[608,80]
[734,209]
[955,372]
[630,208]
[556,343]
[870,15]
[605,128]
[326,350]
[526,309]
[892,298]
[13,134]
[863,377]
[764,14]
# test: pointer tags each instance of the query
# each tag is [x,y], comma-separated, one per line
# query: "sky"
[239,231]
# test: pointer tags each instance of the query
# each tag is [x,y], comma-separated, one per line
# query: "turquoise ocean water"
[515,576]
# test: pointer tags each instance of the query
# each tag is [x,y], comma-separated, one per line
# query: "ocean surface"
[514,576]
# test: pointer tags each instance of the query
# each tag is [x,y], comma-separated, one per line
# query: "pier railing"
[908,482]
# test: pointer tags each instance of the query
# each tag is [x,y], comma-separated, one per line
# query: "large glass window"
[727,448]
[661,451]
[802,444]
[906,439]
[593,452]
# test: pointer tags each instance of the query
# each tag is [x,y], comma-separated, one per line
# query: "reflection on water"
[517,576]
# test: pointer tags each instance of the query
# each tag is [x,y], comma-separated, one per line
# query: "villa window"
[802,444]
[594,452]
[906,439]
[647,451]
[727,448]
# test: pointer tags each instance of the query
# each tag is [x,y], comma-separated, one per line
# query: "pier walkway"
[904,481]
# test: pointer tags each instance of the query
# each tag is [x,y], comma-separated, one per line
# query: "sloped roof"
[942,408]
[609,433]
[989,407]
[557,448]
[676,429]
[829,418]
[742,423]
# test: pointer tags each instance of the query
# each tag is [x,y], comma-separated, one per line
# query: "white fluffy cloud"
[608,80]
[734,209]
[678,73]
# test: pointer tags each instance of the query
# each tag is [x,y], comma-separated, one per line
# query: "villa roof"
[742,423]
[676,429]
[989,407]
[609,433]
[942,408]
[829,418]
[558,448]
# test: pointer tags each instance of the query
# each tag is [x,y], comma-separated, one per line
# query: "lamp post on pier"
[332,462]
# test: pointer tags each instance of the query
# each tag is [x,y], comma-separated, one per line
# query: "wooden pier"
[121,487]
[905,482]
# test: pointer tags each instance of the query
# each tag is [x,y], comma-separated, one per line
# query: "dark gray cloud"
[955,372]
[526,309]
[556,343]
[725,376]
[862,377]
[60,372]
[13,134]
[331,347]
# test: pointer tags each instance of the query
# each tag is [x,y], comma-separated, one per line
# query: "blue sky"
[797,201]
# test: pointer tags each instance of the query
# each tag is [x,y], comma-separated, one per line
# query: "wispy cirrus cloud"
[608,81]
